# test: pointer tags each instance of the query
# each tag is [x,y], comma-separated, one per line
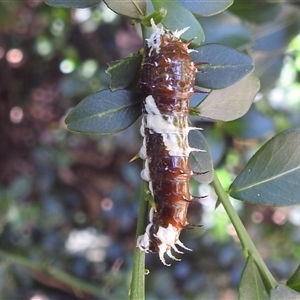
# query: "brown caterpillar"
[167,81]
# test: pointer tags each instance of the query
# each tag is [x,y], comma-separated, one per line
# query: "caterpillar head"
[159,34]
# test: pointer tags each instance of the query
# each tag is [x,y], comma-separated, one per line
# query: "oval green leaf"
[253,125]
[283,292]
[220,66]
[268,68]
[256,11]
[216,141]
[272,175]
[179,17]
[230,103]
[294,280]
[226,29]
[200,161]
[252,285]
[206,8]
[72,3]
[276,35]
[124,73]
[135,9]
[105,112]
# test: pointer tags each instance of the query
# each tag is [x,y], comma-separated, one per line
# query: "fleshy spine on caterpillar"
[167,82]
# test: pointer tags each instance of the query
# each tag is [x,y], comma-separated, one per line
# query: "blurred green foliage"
[68,202]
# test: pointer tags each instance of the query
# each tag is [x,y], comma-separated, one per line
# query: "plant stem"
[70,281]
[137,286]
[246,242]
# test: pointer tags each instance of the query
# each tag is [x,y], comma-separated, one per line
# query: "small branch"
[72,282]
[137,286]
[246,242]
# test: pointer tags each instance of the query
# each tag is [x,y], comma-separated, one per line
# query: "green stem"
[246,242]
[137,287]
[72,282]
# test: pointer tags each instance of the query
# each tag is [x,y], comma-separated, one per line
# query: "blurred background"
[69,202]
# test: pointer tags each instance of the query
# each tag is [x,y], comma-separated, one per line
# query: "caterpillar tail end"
[163,241]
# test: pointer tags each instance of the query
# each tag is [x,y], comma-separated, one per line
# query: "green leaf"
[135,9]
[72,3]
[230,103]
[124,73]
[256,11]
[200,161]
[206,8]
[253,125]
[157,16]
[282,292]
[294,280]
[276,35]
[221,66]
[179,17]
[252,285]
[226,29]
[217,143]
[272,176]
[267,68]
[105,112]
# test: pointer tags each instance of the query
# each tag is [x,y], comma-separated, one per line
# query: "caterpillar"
[167,82]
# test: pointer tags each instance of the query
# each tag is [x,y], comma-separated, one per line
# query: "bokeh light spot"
[16,114]
[57,27]
[43,46]
[89,68]
[257,217]
[88,242]
[39,297]
[279,217]
[67,66]
[107,204]
[82,15]
[294,216]
[14,57]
